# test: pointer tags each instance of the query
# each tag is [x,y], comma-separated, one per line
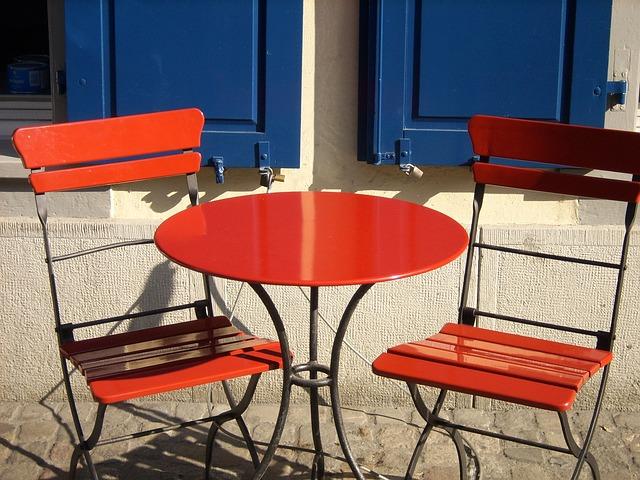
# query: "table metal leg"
[291,377]
[317,469]
[334,368]
[286,379]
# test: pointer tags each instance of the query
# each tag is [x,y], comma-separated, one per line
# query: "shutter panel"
[430,65]
[239,61]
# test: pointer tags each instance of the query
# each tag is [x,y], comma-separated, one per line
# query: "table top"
[311,238]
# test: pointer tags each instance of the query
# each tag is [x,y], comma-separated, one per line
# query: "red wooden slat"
[122,362]
[240,345]
[175,340]
[115,367]
[159,358]
[508,366]
[147,334]
[553,182]
[187,374]
[163,358]
[114,173]
[158,349]
[520,352]
[556,143]
[475,382]
[87,141]
[497,355]
[601,357]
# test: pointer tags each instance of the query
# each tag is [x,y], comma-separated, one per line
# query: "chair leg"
[83,447]
[427,415]
[576,450]
[234,413]
[417,451]
[462,455]
[73,465]
[582,454]
[208,456]
[251,446]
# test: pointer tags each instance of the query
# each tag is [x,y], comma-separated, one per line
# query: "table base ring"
[314,367]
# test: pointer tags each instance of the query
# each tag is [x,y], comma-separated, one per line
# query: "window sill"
[10,164]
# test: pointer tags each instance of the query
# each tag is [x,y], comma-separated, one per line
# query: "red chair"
[521,369]
[147,361]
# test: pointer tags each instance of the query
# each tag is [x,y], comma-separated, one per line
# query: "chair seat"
[515,368]
[161,359]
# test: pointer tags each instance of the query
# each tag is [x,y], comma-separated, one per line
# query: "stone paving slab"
[35,443]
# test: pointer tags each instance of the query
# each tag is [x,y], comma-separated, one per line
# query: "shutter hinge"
[403,151]
[263,159]
[383,158]
[263,156]
[267,176]
[617,92]
[404,155]
[401,157]
[218,166]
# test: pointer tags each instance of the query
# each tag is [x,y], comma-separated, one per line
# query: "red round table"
[311,239]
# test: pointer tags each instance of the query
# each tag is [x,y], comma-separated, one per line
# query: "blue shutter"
[429,65]
[239,61]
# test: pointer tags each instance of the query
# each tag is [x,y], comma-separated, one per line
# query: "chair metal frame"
[500,137]
[106,174]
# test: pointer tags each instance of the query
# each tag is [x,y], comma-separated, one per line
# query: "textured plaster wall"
[624,60]
[391,312]
[574,295]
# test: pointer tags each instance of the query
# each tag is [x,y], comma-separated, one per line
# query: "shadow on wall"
[156,292]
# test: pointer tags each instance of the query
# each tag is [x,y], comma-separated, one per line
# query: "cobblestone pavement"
[35,443]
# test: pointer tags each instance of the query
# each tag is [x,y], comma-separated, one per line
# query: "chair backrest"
[65,146]
[78,155]
[558,145]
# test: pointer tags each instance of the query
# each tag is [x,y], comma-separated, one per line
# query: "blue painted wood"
[438,63]
[88,61]
[590,60]
[238,61]
[162,71]
[489,73]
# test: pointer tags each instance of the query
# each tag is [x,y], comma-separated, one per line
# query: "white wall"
[391,313]
[624,61]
